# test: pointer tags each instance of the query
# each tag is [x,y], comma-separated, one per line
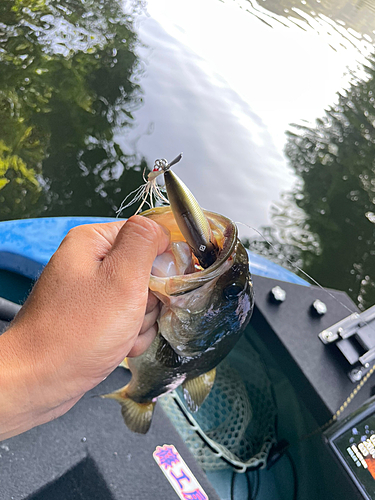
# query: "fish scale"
[204,312]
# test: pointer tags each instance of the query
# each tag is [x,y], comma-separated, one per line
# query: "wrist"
[27,398]
[15,376]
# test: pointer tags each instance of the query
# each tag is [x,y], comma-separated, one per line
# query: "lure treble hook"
[150,189]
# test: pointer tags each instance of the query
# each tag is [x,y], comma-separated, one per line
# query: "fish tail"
[137,416]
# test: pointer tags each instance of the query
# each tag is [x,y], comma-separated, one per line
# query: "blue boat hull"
[27,245]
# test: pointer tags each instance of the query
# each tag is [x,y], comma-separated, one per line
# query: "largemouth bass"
[204,284]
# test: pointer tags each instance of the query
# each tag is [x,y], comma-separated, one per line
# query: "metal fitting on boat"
[319,307]
[355,375]
[277,294]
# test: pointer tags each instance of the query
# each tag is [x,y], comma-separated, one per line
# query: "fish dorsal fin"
[137,416]
[167,355]
[197,389]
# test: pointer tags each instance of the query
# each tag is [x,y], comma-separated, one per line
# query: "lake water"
[91,93]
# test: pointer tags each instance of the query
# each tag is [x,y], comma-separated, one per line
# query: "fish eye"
[233,290]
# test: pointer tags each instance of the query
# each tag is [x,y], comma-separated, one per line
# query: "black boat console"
[326,347]
[90,453]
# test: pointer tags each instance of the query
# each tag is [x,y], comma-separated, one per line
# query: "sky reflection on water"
[224,88]
[230,162]
[288,71]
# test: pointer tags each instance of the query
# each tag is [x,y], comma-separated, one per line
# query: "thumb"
[136,246]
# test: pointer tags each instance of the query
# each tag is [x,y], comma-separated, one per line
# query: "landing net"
[235,426]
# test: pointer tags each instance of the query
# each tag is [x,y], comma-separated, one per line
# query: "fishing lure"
[150,190]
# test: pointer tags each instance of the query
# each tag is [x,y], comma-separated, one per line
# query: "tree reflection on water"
[327,224]
[68,82]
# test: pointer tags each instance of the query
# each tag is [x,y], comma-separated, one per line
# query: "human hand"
[90,308]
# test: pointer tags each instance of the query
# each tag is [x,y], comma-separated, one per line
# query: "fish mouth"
[211,237]
[226,236]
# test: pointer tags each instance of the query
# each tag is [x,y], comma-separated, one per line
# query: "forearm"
[25,388]
[15,376]
[90,308]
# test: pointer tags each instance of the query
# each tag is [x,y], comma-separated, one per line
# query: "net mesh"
[235,426]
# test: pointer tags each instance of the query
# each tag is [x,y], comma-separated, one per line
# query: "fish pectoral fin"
[166,354]
[197,389]
[137,416]
[125,364]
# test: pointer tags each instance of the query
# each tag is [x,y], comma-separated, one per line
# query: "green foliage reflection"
[68,83]
[335,239]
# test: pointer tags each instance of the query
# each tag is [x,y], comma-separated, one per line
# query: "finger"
[152,302]
[143,342]
[138,231]
[150,319]
[131,257]
[92,240]
[106,235]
